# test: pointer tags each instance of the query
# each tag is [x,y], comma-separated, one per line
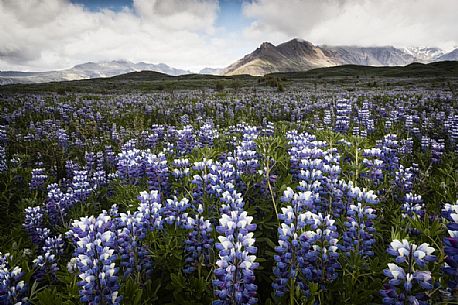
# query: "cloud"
[56,34]
[51,34]
[358,22]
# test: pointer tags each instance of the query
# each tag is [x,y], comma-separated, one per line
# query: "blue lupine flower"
[359,235]
[157,172]
[234,283]
[38,179]
[404,179]
[150,211]
[33,224]
[320,262]
[207,134]
[407,281]
[3,164]
[174,211]
[198,242]
[130,164]
[46,263]
[293,243]
[130,233]
[181,168]
[413,205]
[389,146]
[96,259]
[81,186]
[343,115]
[13,290]
[450,212]
[186,140]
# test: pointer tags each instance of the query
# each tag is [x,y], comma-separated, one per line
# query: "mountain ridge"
[301,55]
[87,70]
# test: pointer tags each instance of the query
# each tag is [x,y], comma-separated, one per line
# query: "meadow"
[249,191]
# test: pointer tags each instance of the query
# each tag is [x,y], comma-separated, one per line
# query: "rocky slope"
[301,55]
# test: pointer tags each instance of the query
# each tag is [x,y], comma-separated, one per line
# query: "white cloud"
[55,34]
[358,22]
[52,34]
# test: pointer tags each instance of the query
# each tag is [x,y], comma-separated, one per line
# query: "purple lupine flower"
[437,150]
[81,186]
[13,289]
[372,161]
[33,224]
[359,235]
[389,146]
[234,283]
[46,263]
[343,115]
[3,164]
[320,262]
[157,172]
[174,211]
[130,164]
[198,242]
[207,134]
[405,178]
[413,205]
[408,279]
[150,211]
[38,179]
[293,243]
[181,168]
[130,233]
[186,140]
[450,213]
[96,259]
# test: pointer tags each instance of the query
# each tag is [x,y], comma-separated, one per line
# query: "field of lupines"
[238,198]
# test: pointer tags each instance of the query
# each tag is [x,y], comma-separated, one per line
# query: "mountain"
[453,55]
[86,71]
[301,55]
[211,71]
[424,54]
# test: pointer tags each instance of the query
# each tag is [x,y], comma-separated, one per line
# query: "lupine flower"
[343,114]
[3,164]
[450,212]
[81,186]
[404,179]
[359,235]
[181,168]
[413,205]
[408,279]
[38,178]
[293,242]
[96,259]
[130,164]
[130,233]
[13,290]
[234,283]
[207,134]
[33,224]
[174,211]
[46,263]
[320,263]
[157,172]
[389,146]
[198,242]
[186,140]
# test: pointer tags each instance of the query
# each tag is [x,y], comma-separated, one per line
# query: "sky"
[40,35]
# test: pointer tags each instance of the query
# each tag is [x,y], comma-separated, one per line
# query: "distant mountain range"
[300,55]
[292,56]
[86,71]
